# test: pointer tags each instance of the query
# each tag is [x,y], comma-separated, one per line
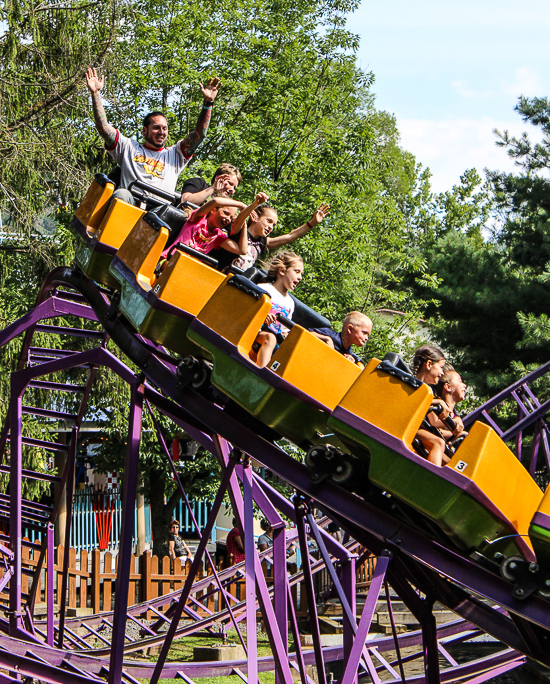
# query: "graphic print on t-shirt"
[152,167]
[256,245]
[201,240]
[277,308]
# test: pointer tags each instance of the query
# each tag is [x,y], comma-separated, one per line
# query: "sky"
[451,71]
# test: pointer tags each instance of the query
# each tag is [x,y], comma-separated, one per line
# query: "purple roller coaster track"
[411,567]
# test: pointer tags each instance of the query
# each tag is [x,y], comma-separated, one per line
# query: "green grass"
[182,651]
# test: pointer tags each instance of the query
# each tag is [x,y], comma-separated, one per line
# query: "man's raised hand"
[211,89]
[320,214]
[94,83]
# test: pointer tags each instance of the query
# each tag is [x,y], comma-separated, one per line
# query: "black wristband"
[208,103]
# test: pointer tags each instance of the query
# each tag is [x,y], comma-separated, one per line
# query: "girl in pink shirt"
[204,229]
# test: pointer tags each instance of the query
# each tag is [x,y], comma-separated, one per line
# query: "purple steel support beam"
[492,423]
[62,600]
[46,307]
[448,657]
[501,396]
[126,532]
[365,621]
[489,619]
[541,411]
[193,571]
[250,580]
[430,646]
[223,591]
[494,672]
[16,466]
[350,613]
[350,594]
[521,408]
[346,607]
[286,507]
[533,635]
[280,585]
[280,575]
[546,447]
[52,518]
[50,575]
[394,630]
[382,661]
[278,648]
[50,308]
[536,446]
[301,511]
[68,484]
[296,634]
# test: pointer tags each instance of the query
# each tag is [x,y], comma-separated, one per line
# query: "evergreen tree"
[493,294]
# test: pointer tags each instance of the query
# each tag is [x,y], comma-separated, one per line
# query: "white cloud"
[452,146]
[462,88]
[526,82]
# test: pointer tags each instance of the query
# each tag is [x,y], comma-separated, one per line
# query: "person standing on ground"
[177,548]
[234,543]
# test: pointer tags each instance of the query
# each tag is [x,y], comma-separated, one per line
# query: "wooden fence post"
[25,556]
[59,572]
[72,578]
[107,588]
[145,571]
[96,580]
[84,578]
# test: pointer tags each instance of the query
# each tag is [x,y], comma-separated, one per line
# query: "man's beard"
[149,140]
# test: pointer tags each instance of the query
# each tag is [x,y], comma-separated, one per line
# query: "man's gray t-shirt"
[160,168]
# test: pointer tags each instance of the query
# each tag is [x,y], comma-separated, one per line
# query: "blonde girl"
[452,389]
[284,272]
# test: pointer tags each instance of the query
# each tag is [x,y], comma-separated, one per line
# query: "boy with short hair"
[356,329]
[225,181]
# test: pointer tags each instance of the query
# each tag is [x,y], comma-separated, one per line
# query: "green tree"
[494,294]
[295,113]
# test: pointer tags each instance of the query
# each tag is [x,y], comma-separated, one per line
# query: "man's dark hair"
[147,119]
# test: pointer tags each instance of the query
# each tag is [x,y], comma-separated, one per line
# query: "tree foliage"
[493,293]
[295,114]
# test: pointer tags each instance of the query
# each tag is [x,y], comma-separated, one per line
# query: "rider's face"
[230,184]
[222,216]
[156,133]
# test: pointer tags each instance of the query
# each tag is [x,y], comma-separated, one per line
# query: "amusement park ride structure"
[473,536]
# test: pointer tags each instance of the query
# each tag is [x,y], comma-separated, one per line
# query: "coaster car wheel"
[510,566]
[327,461]
[342,472]
[193,373]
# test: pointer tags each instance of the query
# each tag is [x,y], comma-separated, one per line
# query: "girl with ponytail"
[427,366]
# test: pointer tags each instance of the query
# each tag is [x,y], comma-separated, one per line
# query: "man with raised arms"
[150,161]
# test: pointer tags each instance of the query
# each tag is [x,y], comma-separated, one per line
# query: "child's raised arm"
[286,239]
[238,223]
[218,202]
[240,247]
